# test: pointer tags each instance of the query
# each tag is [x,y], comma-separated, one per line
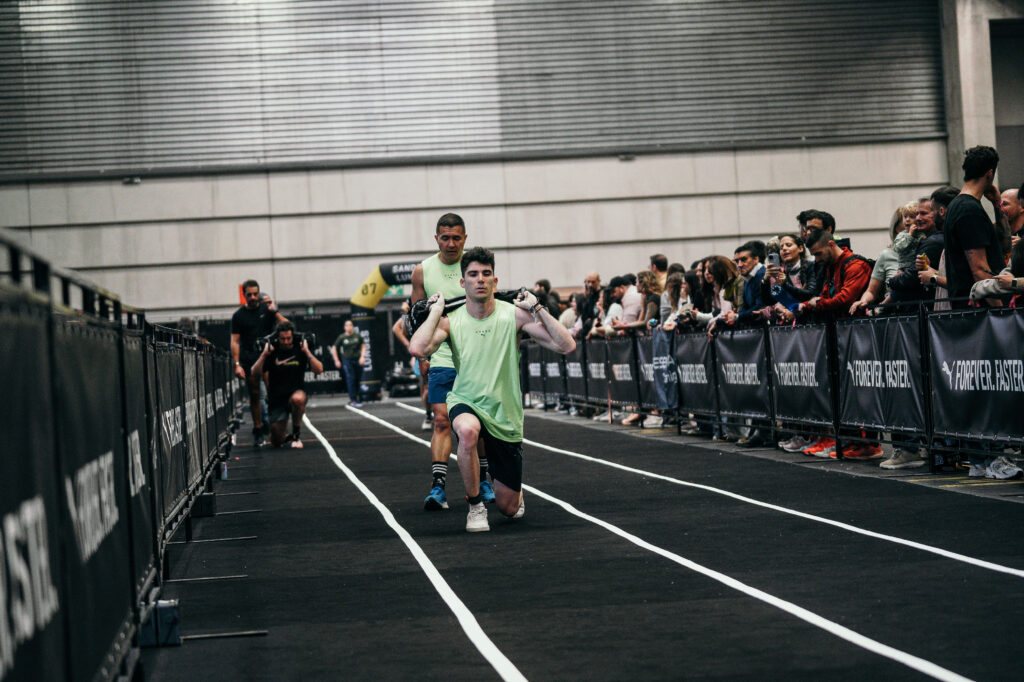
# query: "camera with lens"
[297,339]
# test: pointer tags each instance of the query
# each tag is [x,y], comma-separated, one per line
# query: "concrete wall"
[184,244]
[967,67]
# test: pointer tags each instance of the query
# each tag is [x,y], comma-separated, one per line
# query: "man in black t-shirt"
[283,365]
[973,248]
[250,323]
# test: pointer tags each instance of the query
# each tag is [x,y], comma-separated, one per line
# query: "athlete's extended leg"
[252,382]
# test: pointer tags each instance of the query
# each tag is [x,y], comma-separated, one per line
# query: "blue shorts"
[439,384]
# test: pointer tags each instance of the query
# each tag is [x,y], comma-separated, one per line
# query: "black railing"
[114,429]
[946,381]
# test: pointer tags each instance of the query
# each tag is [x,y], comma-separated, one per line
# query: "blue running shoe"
[437,499]
[486,492]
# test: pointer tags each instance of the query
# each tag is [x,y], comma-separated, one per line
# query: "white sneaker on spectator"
[902,459]
[603,417]
[796,444]
[977,471]
[1003,469]
[653,421]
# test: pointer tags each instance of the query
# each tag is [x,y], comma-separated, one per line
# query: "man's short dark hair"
[978,161]
[449,220]
[803,216]
[1020,194]
[286,326]
[250,283]
[943,196]
[659,261]
[630,278]
[827,221]
[544,284]
[755,248]
[617,281]
[676,267]
[477,254]
[817,236]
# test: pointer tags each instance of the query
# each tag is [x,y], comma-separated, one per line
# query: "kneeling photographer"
[283,364]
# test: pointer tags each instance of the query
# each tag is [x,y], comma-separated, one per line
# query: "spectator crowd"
[945,252]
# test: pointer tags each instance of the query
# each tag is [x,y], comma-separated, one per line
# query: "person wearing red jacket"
[846,277]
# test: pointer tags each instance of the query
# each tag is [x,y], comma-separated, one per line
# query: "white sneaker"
[902,459]
[1003,469]
[476,519]
[297,444]
[521,512]
[603,417]
[653,421]
[427,425]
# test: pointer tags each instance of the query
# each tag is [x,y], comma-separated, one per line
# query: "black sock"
[473,500]
[440,472]
[483,468]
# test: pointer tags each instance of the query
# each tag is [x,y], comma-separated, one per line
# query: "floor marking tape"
[980,563]
[874,646]
[501,664]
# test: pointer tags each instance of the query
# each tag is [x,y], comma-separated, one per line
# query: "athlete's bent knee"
[298,399]
[441,423]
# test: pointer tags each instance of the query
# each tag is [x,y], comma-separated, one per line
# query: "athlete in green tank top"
[485,403]
[443,277]
[441,273]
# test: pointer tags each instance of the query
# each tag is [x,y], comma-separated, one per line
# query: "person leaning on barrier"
[900,251]
[794,266]
[846,276]
[1012,208]
[283,364]
[1008,285]
[928,245]
[249,324]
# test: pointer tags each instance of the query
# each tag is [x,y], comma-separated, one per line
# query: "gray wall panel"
[129,88]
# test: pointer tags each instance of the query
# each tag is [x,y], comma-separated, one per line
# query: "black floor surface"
[341,597]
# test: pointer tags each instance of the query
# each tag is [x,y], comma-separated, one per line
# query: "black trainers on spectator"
[258,440]
[754,440]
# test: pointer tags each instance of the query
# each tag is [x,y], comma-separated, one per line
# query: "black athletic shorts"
[504,459]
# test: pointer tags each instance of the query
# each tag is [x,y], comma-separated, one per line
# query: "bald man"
[1009,204]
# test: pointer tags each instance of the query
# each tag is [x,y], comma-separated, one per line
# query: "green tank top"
[437,276]
[486,354]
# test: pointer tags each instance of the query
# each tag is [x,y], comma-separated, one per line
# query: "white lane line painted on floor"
[840,631]
[980,563]
[501,664]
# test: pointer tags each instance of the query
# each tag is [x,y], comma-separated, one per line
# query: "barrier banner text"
[742,373]
[800,373]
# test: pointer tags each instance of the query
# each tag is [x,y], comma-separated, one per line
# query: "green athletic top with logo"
[437,276]
[486,356]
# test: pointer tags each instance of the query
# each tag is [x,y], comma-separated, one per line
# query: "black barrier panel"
[31,596]
[666,378]
[880,383]
[597,371]
[554,381]
[645,365]
[695,367]
[87,399]
[193,445]
[621,371]
[373,327]
[139,460]
[575,369]
[171,453]
[977,374]
[208,409]
[220,400]
[534,370]
[801,387]
[742,373]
